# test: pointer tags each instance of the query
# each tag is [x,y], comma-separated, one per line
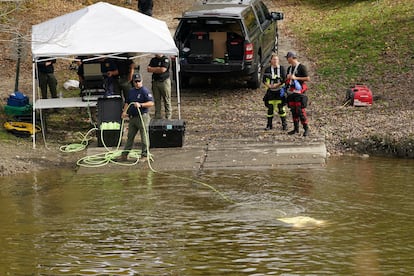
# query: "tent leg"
[177,83]
[34,103]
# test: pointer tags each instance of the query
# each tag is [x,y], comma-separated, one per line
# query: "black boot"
[296,129]
[284,124]
[306,132]
[269,123]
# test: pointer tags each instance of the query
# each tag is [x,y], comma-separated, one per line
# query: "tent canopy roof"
[101,29]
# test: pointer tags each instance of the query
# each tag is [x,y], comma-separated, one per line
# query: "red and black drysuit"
[297,99]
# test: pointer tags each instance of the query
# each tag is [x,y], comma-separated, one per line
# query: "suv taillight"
[248,51]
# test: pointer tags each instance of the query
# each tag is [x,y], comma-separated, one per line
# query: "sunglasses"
[137,81]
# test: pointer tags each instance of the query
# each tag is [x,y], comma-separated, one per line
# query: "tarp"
[101,28]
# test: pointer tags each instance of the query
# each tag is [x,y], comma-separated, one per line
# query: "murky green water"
[60,223]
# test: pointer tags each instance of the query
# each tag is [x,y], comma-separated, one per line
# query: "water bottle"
[60,94]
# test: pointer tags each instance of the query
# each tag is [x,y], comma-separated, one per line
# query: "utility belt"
[273,94]
[160,80]
[106,77]
[136,116]
[52,72]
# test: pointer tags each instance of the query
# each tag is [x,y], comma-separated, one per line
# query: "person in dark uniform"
[80,71]
[138,102]
[275,97]
[46,75]
[145,7]
[159,66]
[297,75]
[111,75]
[125,72]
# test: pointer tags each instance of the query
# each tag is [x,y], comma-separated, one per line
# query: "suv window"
[260,14]
[201,27]
[264,9]
[250,21]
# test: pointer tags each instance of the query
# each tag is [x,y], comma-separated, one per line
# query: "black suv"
[226,38]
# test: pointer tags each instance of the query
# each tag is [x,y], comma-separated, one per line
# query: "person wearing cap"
[275,98]
[296,78]
[136,108]
[159,66]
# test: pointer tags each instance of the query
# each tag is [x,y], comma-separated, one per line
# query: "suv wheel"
[256,80]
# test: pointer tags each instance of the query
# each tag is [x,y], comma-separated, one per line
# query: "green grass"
[357,41]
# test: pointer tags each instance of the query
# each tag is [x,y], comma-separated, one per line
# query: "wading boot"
[295,130]
[269,123]
[284,124]
[122,158]
[306,132]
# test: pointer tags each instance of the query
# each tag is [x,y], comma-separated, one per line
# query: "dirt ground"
[223,110]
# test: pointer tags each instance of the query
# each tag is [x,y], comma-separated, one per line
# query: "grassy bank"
[370,42]
[355,41]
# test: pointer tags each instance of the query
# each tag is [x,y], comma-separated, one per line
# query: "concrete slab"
[226,154]
[254,155]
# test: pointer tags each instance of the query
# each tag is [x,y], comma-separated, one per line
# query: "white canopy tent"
[100,29]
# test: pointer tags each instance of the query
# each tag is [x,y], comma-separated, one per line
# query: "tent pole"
[34,103]
[177,84]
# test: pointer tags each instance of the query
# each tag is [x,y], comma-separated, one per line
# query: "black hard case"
[109,110]
[201,51]
[165,133]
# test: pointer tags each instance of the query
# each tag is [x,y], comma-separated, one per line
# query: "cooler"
[361,95]
[109,121]
[165,133]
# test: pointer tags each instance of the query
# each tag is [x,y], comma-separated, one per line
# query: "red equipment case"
[360,95]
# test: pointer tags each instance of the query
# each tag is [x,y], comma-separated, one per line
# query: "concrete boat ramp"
[228,154]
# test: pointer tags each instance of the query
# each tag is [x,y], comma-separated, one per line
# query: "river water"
[353,217]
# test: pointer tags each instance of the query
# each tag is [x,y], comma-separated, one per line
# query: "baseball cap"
[291,54]
[136,77]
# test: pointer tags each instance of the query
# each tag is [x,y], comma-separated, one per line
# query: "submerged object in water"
[302,222]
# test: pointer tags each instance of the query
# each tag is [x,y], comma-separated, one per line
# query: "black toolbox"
[165,133]
[109,121]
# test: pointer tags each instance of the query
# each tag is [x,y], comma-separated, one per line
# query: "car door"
[268,28]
